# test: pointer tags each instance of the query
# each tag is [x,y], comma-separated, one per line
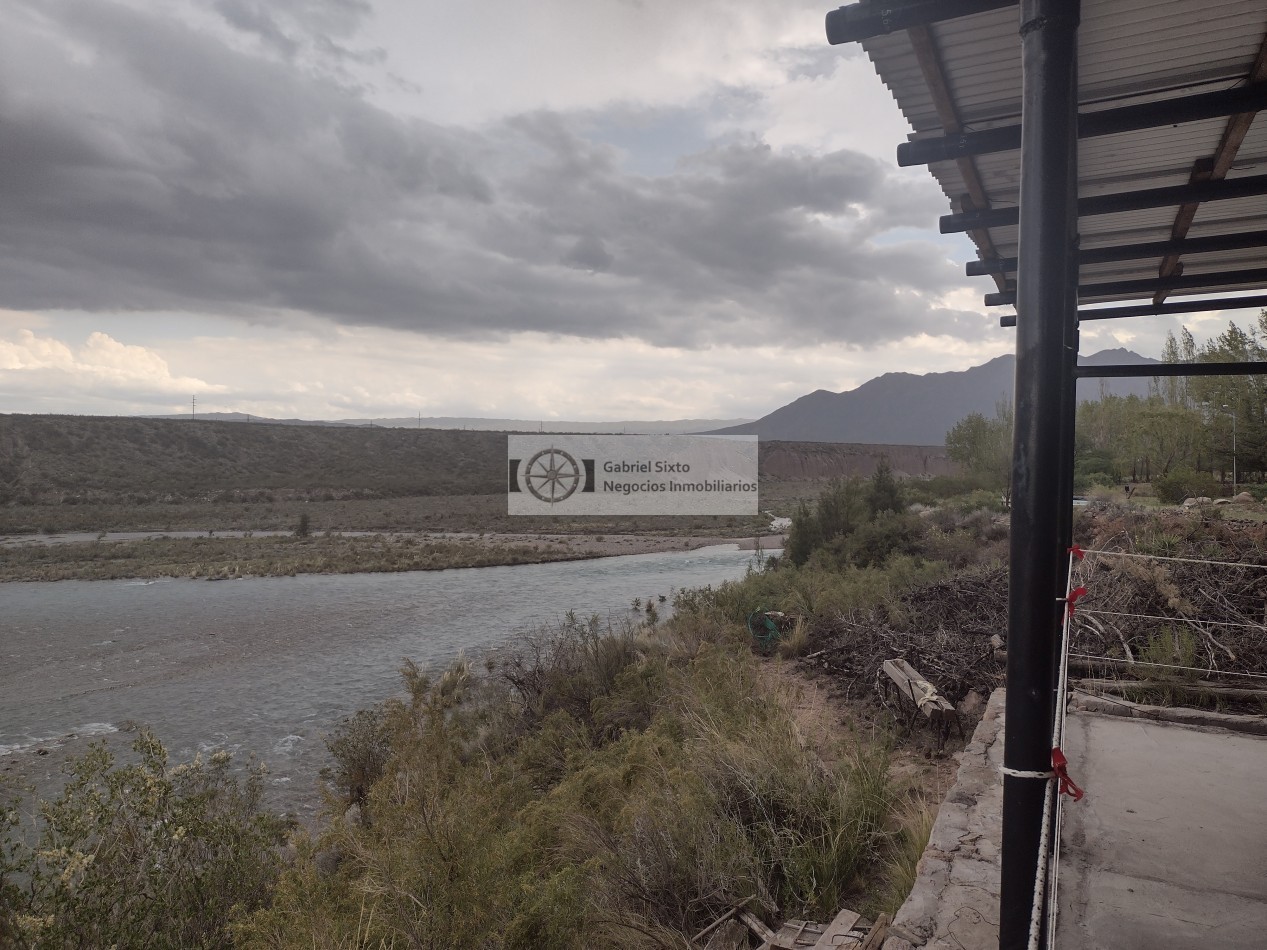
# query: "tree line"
[1189,435]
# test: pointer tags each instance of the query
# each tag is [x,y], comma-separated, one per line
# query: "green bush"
[840,510]
[884,494]
[601,788]
[872,544]
[981,499]
[1180,483]
[936,489]
[140,855]
[360,747]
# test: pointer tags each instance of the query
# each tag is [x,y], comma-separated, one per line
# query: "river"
[267,666]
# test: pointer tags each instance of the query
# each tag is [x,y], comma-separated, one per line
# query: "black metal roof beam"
[1147,115]
[861,21]
[1159,309]
[1149,286]
[1245,187]
[1123,370]
[1212,168]
[1133,252]
[928,55]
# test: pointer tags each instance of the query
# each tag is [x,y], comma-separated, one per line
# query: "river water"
[268,666]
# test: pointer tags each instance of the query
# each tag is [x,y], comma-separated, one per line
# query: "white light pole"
[1232,410]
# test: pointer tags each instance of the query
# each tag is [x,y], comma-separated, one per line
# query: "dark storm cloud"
[190,176]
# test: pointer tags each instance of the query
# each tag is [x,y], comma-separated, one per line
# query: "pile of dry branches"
[1174,589]
[1145,615]
[942,629]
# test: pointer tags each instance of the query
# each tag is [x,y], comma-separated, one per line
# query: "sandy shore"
[230,555]
[613,545]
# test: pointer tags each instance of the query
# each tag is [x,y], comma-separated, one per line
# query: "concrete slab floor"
[1169,848]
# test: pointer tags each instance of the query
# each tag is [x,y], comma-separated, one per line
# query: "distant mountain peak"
[902,408]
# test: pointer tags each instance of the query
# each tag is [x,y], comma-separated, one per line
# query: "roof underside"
[964,75]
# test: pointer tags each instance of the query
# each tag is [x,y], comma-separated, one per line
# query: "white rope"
[1047,871]
[1040,878]
[1062,681]
[1163,557]
[1195,623]
[1057,742]
[1023,773]
[1054,878]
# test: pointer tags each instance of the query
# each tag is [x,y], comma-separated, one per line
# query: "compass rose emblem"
[552,475]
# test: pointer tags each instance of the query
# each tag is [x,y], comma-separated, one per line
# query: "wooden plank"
[731,935]
[875,936]
[764,933]
[918,690]
[798,935]
[1202,687]
[1141,668]
[837,932]
[715,924]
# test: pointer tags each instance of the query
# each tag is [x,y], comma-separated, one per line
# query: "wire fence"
[1181,620]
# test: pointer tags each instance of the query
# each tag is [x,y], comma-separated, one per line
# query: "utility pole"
[193,407]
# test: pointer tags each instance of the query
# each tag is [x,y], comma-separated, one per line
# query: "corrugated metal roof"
[1130,51]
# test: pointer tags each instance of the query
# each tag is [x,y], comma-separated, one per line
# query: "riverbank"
[224,556]
[264,667]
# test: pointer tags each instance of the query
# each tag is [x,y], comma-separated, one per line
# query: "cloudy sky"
[576,209]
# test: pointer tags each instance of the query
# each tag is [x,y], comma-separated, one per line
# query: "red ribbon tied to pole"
[1060,765]
[1077,552]
[1073,596]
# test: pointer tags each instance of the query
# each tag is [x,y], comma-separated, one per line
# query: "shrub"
[360,747]
[914,827]
[797,641]
[883,491]
[840,509]
[140,855]
[978,500]
[872,544]
[1180,483]
[936,489]
[598,789]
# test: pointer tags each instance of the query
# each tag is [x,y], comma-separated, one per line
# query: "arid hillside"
[70,459]
[93,457]
[820,460]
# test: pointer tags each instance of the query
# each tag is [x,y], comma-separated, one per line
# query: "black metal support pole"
[1046,304]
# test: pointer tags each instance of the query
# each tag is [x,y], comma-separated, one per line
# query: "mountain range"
[893,409]
[631,427]
[906,409]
